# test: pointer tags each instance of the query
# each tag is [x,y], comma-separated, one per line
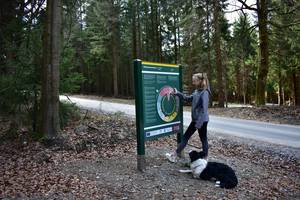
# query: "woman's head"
[200,81]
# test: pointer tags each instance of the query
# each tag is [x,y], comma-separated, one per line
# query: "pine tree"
[244,51]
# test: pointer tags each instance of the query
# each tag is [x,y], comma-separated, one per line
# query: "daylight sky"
[234,5]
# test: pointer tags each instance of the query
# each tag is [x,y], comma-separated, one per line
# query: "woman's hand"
[174,91]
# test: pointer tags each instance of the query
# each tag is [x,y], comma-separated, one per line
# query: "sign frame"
[163,128]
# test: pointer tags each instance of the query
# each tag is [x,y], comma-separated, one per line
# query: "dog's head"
[194,155]
[198,164]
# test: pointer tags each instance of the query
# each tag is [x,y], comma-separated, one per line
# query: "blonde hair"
[204,80]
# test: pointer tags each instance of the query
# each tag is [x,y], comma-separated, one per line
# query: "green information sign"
[158,112]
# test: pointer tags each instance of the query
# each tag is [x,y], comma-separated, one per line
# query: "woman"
[200,118]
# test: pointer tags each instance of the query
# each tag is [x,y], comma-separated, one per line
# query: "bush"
[67,112]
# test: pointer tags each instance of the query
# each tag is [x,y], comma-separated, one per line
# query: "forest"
[88,47]
[56,53]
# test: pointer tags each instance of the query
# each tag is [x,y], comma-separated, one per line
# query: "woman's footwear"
[172,157]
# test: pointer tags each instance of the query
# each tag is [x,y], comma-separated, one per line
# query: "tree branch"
[293,10]
[243,2]
[252,28]
[277,25]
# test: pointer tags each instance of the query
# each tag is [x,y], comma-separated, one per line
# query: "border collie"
[223,174]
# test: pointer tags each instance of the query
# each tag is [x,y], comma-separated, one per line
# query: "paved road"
[287,135]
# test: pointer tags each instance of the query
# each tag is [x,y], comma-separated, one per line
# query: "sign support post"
[180,133]
[141,161]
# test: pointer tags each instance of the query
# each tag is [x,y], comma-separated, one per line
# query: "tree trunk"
[217,44]
[115,68]
[139,37]
[175,38]
[244,78]
[56,39]
[50,83]
[297,87]
[179,48]
[134,30]
[225,80]
[115,45]
[280,93]
[157,31]
[238,82]
[264,57]
[146,40]
[209,68]
[152,34]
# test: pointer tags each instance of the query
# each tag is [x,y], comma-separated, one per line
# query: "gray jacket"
[200,101]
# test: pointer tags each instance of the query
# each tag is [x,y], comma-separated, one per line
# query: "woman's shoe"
[172,157]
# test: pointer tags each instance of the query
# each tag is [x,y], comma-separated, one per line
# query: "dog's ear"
[202,155]
[194,155]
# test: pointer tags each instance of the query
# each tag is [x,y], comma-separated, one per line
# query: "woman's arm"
[183,96]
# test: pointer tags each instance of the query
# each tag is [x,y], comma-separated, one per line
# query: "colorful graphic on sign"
[167,104]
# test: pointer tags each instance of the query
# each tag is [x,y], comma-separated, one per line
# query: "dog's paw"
[217,184]
[185,171]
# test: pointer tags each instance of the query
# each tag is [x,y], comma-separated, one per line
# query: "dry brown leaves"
[36,172]
[275,114]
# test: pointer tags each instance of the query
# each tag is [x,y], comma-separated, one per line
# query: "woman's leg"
[188,133]
[203,137]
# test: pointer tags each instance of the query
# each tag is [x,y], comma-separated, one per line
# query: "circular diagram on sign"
[167,104]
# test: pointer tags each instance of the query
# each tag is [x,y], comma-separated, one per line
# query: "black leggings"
[189,132]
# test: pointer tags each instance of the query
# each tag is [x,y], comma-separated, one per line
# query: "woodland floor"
[96,159]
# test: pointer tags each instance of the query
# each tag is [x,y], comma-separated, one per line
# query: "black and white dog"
[223,174]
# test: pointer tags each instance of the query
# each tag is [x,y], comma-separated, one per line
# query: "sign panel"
[158,112]
[161,108]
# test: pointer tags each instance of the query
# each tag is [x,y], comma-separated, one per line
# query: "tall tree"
[208,42]
[262,15]
[244,51]
[103,27]
[50,85]
[285,48]
[134,27]
[114,8]
[218,53]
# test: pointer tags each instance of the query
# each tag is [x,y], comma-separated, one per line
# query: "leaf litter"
[96,159]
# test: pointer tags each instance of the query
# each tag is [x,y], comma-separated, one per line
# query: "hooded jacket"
[200,101]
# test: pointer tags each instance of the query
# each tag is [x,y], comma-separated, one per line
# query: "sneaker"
[172,157]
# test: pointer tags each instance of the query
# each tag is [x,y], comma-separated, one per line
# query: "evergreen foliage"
[101,39]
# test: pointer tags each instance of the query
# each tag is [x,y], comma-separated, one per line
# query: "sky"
[233,5]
